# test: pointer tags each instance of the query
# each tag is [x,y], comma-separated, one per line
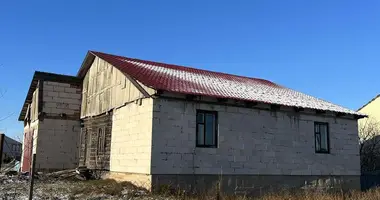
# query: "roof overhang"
[86,64]
[45,76]
[127,69]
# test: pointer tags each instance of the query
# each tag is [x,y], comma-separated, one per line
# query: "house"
[10,149]
[161,124]
[51,116]
[372,109]
[369,133]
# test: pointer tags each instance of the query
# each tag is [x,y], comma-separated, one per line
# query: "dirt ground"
[17,188]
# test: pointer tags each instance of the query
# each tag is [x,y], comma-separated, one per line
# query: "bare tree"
[369,137]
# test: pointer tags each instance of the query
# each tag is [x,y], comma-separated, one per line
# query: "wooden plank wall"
[34,106]
[105,87]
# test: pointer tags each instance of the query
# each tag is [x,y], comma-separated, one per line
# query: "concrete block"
[71,90]
[58,89]
[52,94]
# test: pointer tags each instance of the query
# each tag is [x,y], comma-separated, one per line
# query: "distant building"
[372,122]
[11,149]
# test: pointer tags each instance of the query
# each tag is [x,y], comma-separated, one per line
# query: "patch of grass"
[107,186]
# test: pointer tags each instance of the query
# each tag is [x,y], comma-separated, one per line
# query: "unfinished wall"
[132,138]
[94,150]
[250,142]
[57,144]
[56,136]
[105,88]
[61,98]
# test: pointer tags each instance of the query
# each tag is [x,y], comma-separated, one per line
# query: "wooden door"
[27,151]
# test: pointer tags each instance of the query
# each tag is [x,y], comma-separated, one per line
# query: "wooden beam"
[159,92]
[339,114]
[320,111]
[250,104]
[275,107]
[298,109]
[222,100]
[190,97]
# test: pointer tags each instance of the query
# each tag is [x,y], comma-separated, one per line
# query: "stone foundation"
[252,185]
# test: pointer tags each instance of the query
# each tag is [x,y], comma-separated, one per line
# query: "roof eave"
[33,84]
[38,75]
[86,64]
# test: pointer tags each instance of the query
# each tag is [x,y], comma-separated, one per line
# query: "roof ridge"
[187,67]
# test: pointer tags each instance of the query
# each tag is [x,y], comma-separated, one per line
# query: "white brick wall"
[57,144]
[132,138]
[61,98]
[251,141]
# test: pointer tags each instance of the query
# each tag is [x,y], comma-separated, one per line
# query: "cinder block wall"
[250,142]
[59,128]
[132,137]
[61,98]
[57,146]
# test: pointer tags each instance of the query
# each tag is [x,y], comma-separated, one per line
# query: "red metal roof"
[186,80]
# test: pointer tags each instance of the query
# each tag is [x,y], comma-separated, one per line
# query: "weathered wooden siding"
[91,138]
[34,106]
[105,88]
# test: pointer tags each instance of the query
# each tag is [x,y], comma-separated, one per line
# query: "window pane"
[201,134]
[100,140]
[317,142]
[316,127]
[324,143]
[210,129]
[200,118]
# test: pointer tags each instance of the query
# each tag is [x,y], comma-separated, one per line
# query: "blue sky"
[328,49]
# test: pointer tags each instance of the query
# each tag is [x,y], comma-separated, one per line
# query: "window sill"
[322,152]
[206,146]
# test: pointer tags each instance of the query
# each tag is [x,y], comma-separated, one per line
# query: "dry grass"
[110,189]
[113,188]
[373,194]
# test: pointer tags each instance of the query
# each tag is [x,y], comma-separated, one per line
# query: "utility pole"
[32,177]
[1,148]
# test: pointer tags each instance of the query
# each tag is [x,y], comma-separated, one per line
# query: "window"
[206,128]
[101,141]
[321,132]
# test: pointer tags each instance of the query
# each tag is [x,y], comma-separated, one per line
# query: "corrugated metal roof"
[186,80]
